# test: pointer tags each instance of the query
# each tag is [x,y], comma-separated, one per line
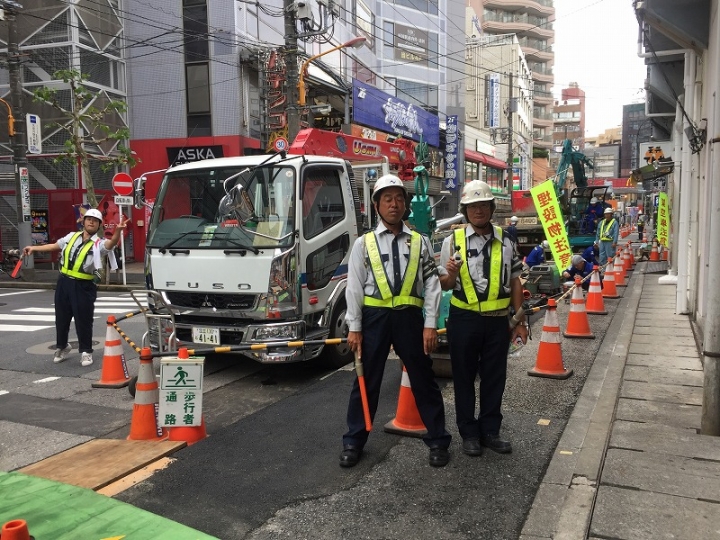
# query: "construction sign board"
[181,392]
[548,210]
[663,219]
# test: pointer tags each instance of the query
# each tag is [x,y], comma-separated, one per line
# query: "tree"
[86,124]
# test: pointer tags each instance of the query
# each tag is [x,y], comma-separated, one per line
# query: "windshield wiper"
[164,249]
[241,246]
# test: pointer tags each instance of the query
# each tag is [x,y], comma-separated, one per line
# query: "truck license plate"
[207,336]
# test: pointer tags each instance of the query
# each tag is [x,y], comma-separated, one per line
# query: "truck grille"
[210,300]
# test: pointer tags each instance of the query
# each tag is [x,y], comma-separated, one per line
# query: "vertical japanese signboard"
[451,153]
[663,219]
[25,193]
[548,209]
[181,392]
[493,100]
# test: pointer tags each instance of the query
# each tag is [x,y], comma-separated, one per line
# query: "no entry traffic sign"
[122,184]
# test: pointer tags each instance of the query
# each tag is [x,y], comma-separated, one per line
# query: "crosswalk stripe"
[108,310]
[11,317]
[15,328]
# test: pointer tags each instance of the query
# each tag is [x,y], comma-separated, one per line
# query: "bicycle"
[10,258]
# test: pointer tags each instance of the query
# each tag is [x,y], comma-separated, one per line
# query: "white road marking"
[3,392]
[47,379]
[14,328]
[11,317]
[21,292]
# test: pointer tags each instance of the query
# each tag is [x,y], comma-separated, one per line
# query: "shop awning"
[490,161]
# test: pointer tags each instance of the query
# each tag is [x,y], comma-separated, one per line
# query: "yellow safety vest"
[495,299]
[405,298]
[604,228]
[74,268]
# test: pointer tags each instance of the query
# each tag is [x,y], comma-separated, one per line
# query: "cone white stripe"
[577,306]
[113,350]
[405,381]
[550,337]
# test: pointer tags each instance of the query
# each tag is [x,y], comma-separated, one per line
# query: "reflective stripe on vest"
[604,231]
[493,303]
[76,270]
[405,298]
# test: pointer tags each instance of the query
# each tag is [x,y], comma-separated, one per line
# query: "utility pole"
[510,110]
[22,176]
[291,70]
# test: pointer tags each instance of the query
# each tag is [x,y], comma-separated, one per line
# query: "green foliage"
[540,152]
[86,124]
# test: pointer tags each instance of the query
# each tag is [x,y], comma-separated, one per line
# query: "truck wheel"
[336,356]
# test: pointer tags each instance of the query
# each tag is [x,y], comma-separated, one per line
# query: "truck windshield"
[224,208]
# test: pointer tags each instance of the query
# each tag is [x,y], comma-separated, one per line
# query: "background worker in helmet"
[593,214]
[640,226]
[537,255]
[76,290]
[512,229]
[607,236]
[391,271]
[481,268]
[591,253]
[579,267]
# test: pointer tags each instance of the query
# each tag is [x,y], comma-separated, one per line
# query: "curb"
[565,500]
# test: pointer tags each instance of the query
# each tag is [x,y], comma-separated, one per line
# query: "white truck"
[254,249]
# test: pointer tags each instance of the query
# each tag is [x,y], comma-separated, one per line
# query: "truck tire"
[336,356]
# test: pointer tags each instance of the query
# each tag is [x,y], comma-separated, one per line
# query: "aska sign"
[186,154]
[122,184]
[377,109]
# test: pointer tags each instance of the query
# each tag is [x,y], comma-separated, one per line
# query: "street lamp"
[355,42]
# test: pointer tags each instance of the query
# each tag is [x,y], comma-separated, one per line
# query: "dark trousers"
[74,298]
[403,330]
[640,229]
[478,345]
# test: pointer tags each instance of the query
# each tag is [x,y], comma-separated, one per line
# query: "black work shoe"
[439,457]
[496,444]
[350,456]
[472,447]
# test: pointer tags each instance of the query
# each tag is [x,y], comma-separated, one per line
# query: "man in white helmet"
[76,290]
[512,229]
[607,236]
[483,272]
[593,214]
[391,276]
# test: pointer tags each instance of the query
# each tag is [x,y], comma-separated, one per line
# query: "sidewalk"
[46,278]
[631,463]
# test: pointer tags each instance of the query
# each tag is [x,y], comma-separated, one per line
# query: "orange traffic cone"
[549,362]
[619,271]
[189,434]
[594,304]
[114,369]
[609,290]
[144,425]
[407,420]
[632,254]
[664,254]
[16,529]
[627,265]
[654,255]
[578,325]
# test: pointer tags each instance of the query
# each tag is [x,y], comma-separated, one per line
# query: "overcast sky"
[596,46]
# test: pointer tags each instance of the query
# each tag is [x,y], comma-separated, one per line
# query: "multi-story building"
[637,128]
[569,118]
[532,22]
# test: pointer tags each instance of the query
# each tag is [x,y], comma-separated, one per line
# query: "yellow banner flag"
[663,219]
[548,209]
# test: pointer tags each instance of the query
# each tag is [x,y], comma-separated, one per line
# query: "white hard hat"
[545,244]
[593,200]
[608,211]
[476,191]
[93,213]
[514,219]
[386,181]
[576,259]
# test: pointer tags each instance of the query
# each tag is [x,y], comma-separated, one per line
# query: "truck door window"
[322,263]
[322,201]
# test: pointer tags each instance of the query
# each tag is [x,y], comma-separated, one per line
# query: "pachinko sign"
[548,210]
[375,108]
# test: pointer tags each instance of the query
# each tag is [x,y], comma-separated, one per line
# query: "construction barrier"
[16,529]
[189,434]
[578,324]
[654,255]
[549,362]
[114,368]
[609,290]
[594,304]
[144,425]
[407,420]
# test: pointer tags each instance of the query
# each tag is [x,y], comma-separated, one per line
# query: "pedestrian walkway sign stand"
[181,391]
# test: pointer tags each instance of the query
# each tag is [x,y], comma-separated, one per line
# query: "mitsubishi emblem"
[206,302]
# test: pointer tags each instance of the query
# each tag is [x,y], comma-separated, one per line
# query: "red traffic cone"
[578,325]
[594,304]
[407,420]
[609,290]
[654,255]
[114,369]
[619,271]
[144,425]
[189,434]
[549,362]
[16,529]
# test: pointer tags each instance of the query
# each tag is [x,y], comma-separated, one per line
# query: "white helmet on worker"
[386,181]
[514,219]
[93,213]
[545,244]
[593,200]
[476,191]
[608,211]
